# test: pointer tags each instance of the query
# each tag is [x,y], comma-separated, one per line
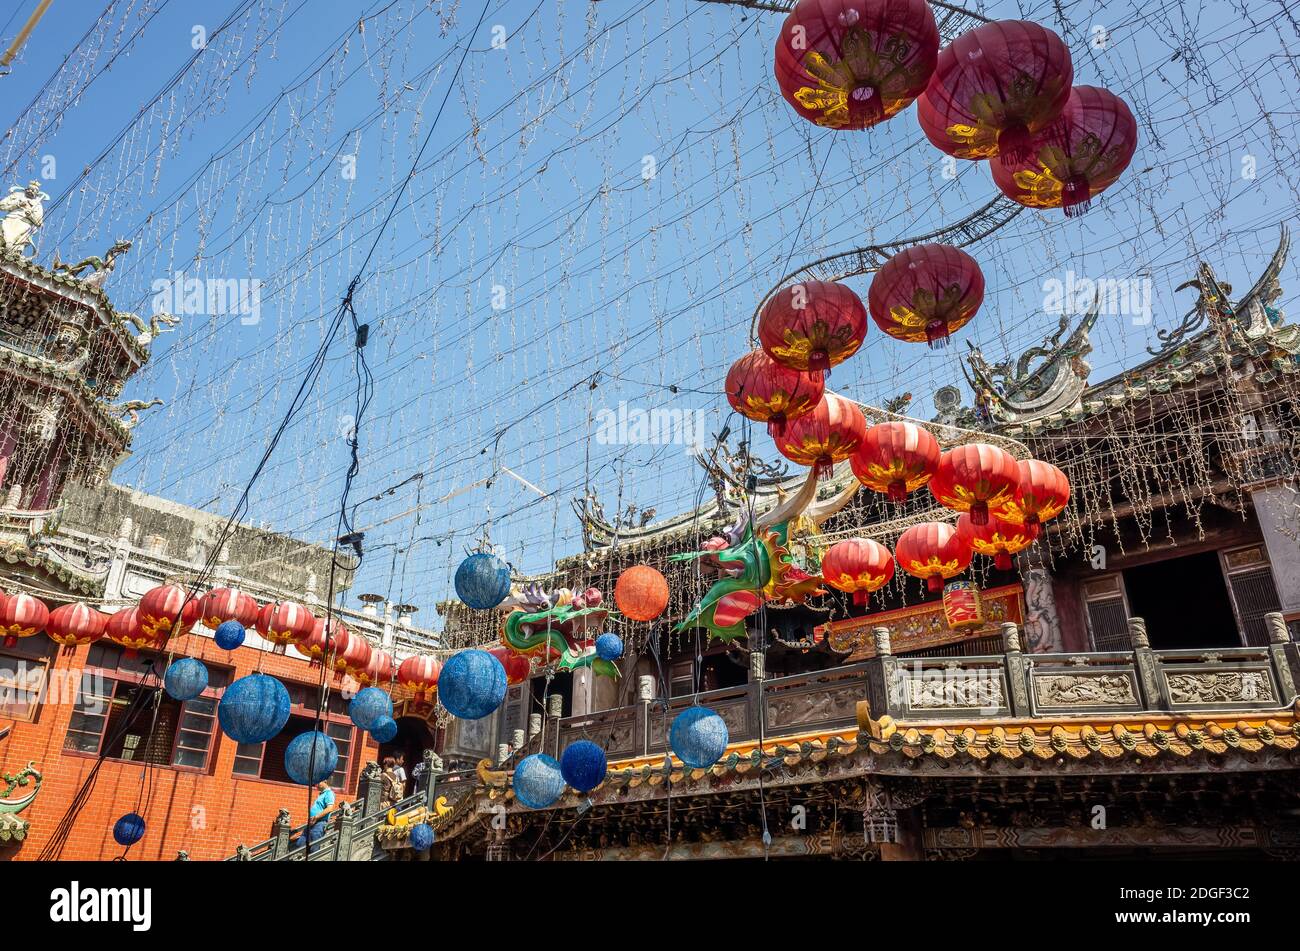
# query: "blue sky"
[621,179]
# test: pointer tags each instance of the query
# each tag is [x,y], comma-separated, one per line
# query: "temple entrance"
[414,736]
[1184,602]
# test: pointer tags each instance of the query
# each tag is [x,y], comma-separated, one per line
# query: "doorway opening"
[1184,602]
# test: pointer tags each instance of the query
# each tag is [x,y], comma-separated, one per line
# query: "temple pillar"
[8,443]
[604,694]
[582,692]
[1279,522]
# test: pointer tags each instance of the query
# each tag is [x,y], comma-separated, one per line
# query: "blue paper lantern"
[538,781]
[384,730]
[698,737]
[370,706]
[253,709]
[230,634]
[482,581]
[472,684]
[583,765]
[185,679]
[421,837]
[311,758]
[609,647]
[129,829]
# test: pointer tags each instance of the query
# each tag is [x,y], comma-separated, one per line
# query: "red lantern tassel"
[776,426]
[819,360]
[898,491]
[10,640]
[936,334]
[824,468]
[865,104]
[934,583]
[1002,561]
[979,513]
[1076,196]
[860,597]
[1014,143]
[1032,520]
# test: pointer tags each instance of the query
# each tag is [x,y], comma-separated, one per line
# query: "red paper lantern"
[313,646]
[962,607]
[74,624]
[813,326]
[378,671]
[763,390]
[285,623]
[975,478]
[641,593]
[124,628]
[896,458]
[926,292]
[516,665]
[994,88]
[351,651]
[829,434]
[227,604]
[1074,159]
[1041,494]
[997,539]
[849,64]
[21,615]
[419,673]
[857,566]
[166,608]
[932,551]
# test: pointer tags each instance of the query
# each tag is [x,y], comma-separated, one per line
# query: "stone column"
[1017,671]
[1279,522]
[1146,662]
[371,789]
[1281,650]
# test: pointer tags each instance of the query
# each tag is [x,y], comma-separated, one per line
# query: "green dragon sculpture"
[558,624]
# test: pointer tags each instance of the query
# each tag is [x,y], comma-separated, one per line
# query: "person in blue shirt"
[318,814]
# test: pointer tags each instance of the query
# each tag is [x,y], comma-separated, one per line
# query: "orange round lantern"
[896,458]
[166,608]
[419,673]
[21,615]
[975,478]
[641,593]
[1041,494]
[813,326]
[926,292]
[378,671]
[932,551]
[74,624]
[227,604]
[763,390]
[516,665]
[857,566]
[1075,158]
[829,434]
[997,539]
[124,628]
[993,88]
[286,622]
[850,64]
[351,650]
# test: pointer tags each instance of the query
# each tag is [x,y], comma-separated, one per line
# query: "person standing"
[399,770]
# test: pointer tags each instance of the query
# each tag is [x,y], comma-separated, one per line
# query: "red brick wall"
[205,813]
